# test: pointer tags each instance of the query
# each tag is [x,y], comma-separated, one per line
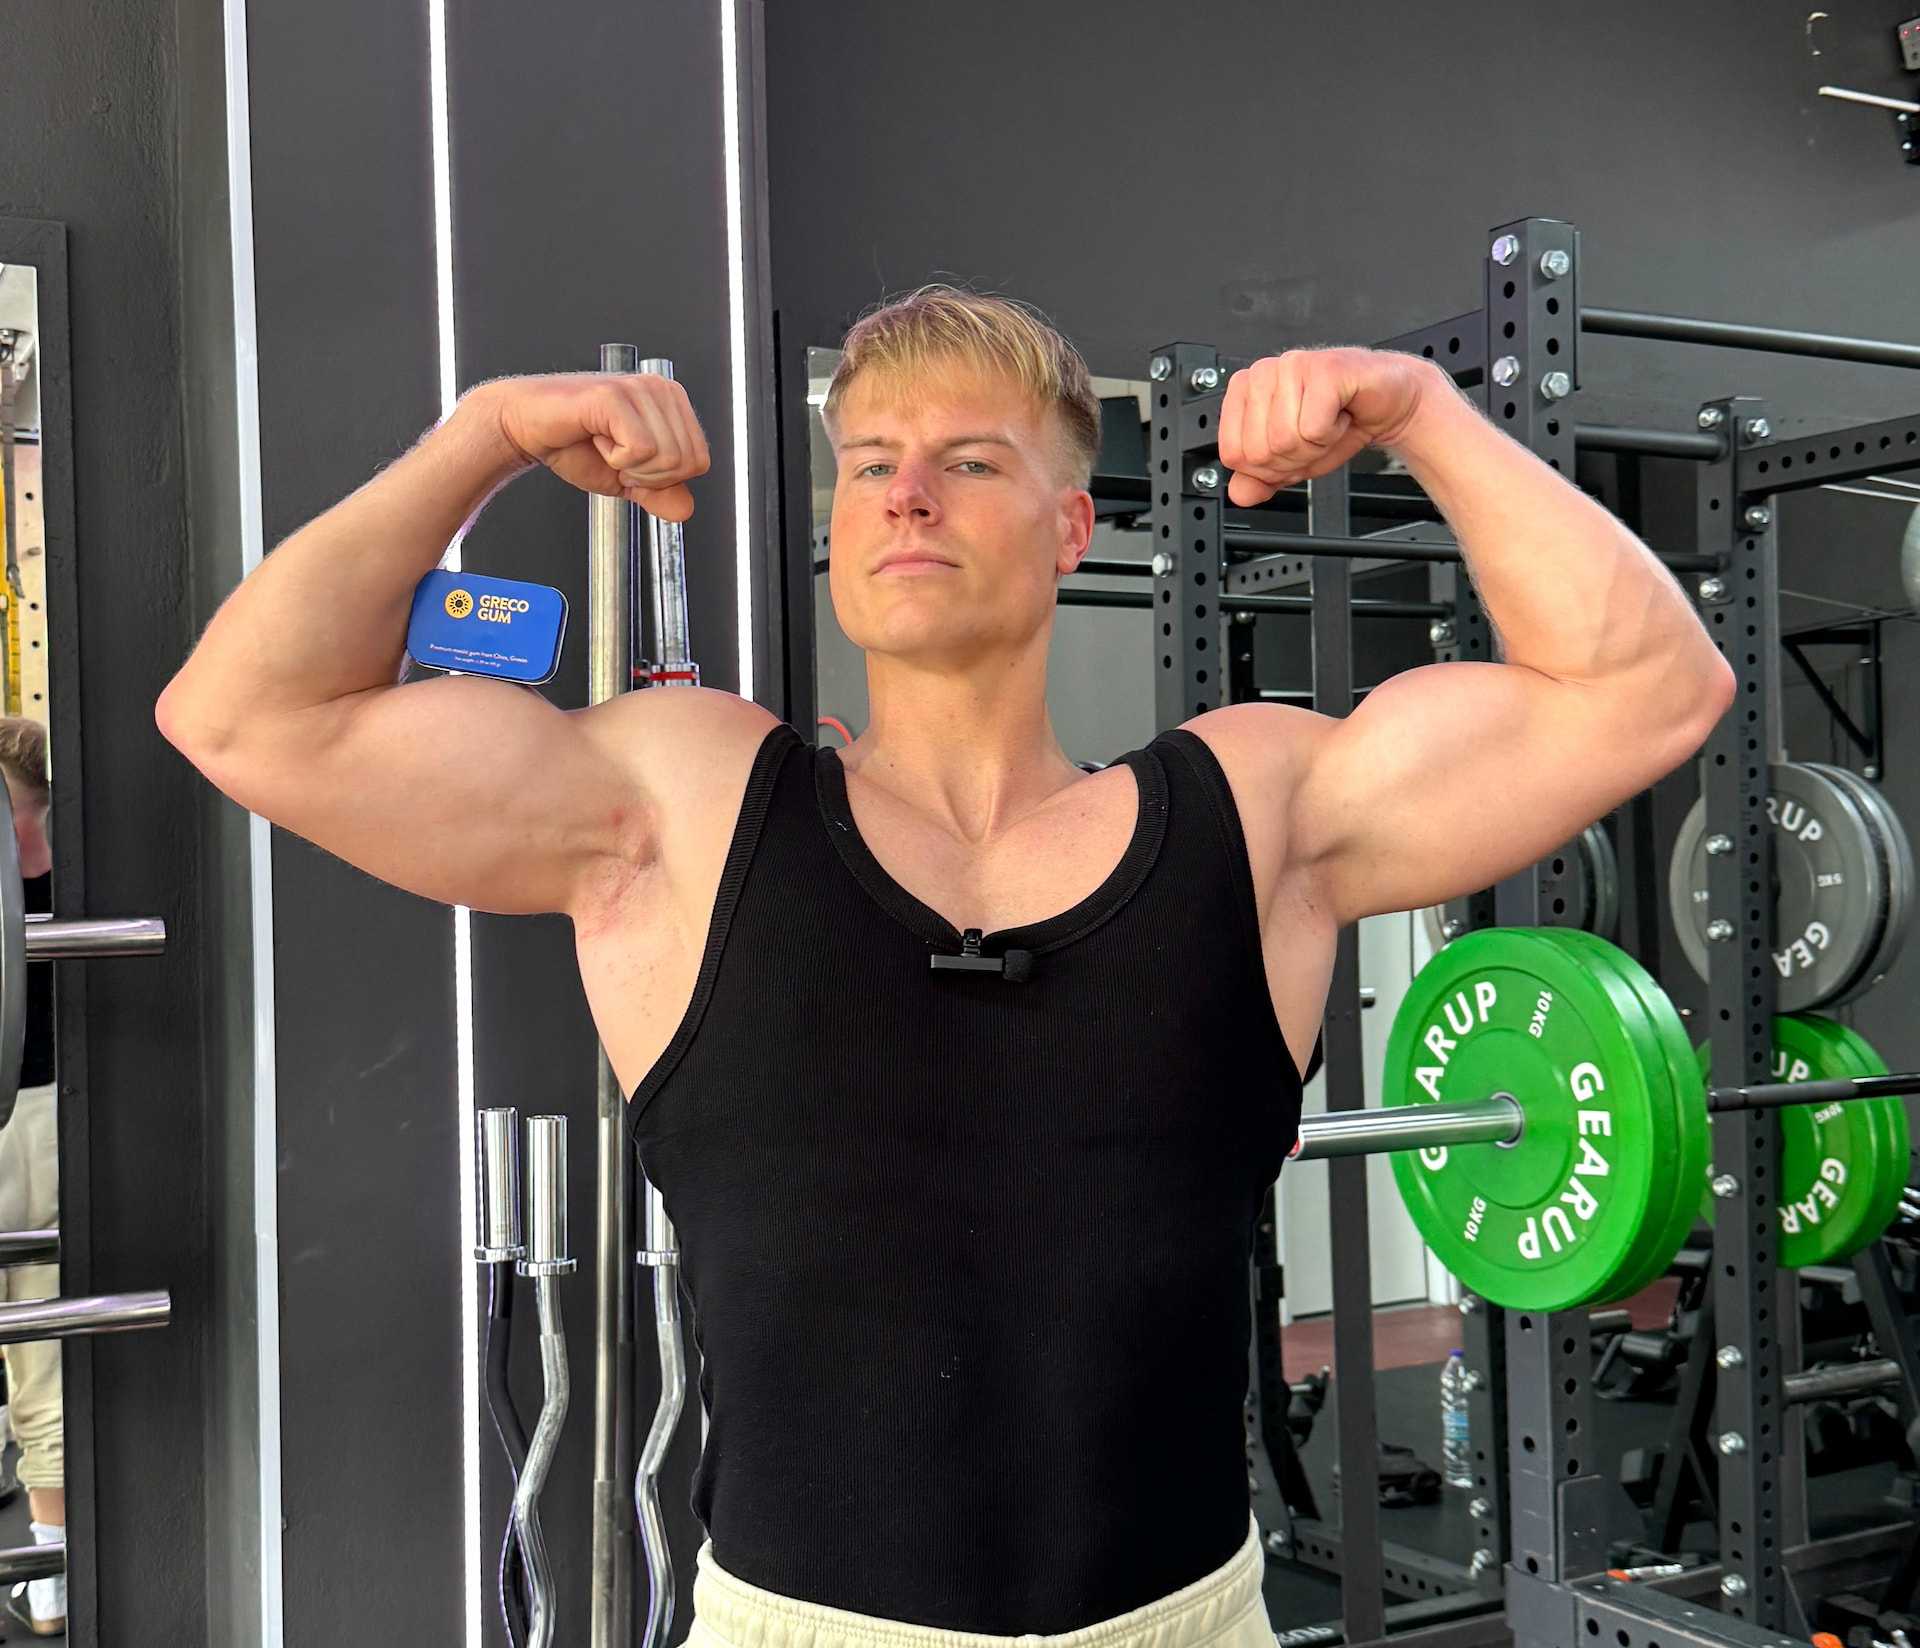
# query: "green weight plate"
[1556,1219]
[1803,1206]
[1829,906]
[1682,1158]
[1883,1125]
[1894,1145]
[1833,1157]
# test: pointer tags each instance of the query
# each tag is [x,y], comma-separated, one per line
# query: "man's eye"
[974,463]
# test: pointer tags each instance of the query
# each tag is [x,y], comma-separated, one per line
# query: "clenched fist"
[1291,417]
[623,435]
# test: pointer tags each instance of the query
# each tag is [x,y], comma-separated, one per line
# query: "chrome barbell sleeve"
[498,1170]
[1495,1120]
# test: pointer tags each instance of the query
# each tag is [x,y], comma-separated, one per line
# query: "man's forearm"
[325,615]
[1572,593]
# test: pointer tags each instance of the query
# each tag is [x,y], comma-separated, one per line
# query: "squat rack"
[1518,356]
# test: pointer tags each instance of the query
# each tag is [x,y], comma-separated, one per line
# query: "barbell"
[1550,1123]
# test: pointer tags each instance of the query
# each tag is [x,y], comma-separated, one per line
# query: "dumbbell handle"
[94,936]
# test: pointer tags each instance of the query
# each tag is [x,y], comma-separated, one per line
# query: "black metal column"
[1554,1472]
[1187,484]
[1483,1339]
[1741,609]
[1362,1603]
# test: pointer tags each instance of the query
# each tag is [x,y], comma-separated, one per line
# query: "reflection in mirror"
[33,1501]
[1097,711]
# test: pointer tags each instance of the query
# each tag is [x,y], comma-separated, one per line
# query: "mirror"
[32,1465]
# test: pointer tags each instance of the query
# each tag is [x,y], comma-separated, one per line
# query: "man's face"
[30,832]
[968,475]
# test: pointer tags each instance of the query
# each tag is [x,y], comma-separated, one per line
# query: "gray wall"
[1262,177]
[585,213]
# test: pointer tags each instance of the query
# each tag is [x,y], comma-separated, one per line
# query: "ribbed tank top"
[967,1250]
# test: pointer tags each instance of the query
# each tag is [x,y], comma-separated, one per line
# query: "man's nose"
[910,493]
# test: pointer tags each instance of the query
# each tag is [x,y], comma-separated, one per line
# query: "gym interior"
[249,254]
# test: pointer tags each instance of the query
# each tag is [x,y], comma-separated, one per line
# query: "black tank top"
[967,1248]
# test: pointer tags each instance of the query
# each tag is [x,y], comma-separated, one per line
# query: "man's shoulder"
[688,748]
[669,716]
[1265,752]
[1264,749]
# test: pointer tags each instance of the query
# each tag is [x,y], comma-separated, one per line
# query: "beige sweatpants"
[1223,1609]
[30,1200]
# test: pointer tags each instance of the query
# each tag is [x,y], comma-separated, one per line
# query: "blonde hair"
[908,339]
[23,757]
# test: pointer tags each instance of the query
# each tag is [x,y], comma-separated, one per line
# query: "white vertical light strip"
[737,317]
[469,1347]
[266,1141]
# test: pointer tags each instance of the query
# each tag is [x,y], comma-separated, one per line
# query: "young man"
[967,1244]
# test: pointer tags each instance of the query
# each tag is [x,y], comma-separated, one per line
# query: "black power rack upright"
[1541,1491]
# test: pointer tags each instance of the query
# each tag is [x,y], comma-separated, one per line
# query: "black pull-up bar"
[1626,323]
[1398,549]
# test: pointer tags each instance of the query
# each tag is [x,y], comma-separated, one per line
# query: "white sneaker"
[41,1606]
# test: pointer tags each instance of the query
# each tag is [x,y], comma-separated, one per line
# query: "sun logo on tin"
[459,603]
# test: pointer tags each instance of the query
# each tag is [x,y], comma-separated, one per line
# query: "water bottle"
[1456,1447]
